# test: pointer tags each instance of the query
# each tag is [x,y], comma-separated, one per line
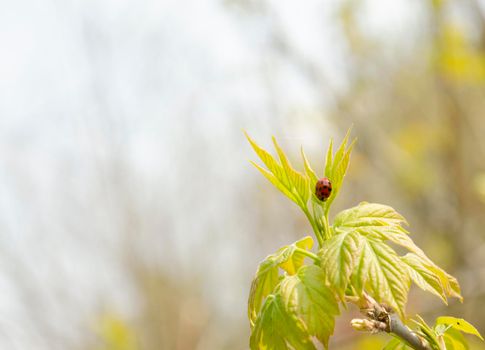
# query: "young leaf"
[376,221]
[339,255]
[278,329]
[454,340]
[267,275]
[395,344]
[336,167]
[290,182]
[290,259]
[458,324]
[276,182]
[380,271]
[306,295]
[426,279]
[379,222]
[369,215]
[273,166]
[312,177]
[266,279]
[449,283]
[426,332]
[308,170]
[378,268]
[298,181]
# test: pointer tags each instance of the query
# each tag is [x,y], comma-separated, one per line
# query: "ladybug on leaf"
[323,189]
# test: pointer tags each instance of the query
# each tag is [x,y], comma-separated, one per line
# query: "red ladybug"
[323,189]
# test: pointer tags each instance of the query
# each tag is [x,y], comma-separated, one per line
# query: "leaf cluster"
[292,304]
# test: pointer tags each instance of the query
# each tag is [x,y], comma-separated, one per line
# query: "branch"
[399,329]
[383,319]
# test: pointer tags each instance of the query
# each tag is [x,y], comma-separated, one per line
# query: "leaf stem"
[326,227]
[314,226]
[309,254]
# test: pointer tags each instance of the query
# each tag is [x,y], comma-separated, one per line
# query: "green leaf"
[376,221]
[267,274]
[276,182]
[308,169]
[450,284]
[293,184]
[306,295]
[426,332]
[454,340]
[458,324]
[339,156]
[273,166]
[277,329]
[395,344]
[312,177]
[380,271]
[266,279]
[370,264]
[290,259]
[340,165]
[378,268]
[421,274]
[336,167]
[379,222]
[368,215]
[339,255]
[297,180]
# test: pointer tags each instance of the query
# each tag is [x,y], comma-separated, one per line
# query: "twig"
[399,329]
[382,319]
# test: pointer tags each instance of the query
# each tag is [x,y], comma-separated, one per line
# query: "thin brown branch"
[381,318]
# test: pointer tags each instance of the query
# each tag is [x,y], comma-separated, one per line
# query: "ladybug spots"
[323,189]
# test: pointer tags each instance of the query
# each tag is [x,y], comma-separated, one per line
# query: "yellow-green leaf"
[380,272]
[395,344]
[454,340]
[297,181]
[266,279]
[306,295]
[459,324]
[267,274]
[290,259]
[377,222]
[277,329]
[339,255]
[273,166]
[421,274]
[368,214]
[336,167]
[276,183]
[308,169]
[293,184]
[426,332]
[449,283]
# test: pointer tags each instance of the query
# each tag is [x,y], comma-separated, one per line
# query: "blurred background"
[130,217]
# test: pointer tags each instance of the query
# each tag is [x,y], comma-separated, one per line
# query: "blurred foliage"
[116,334]
[417,104]
[457,58]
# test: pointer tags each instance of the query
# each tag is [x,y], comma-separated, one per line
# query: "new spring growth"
[366,325]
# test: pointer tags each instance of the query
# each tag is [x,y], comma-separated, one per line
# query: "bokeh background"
[130,217]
